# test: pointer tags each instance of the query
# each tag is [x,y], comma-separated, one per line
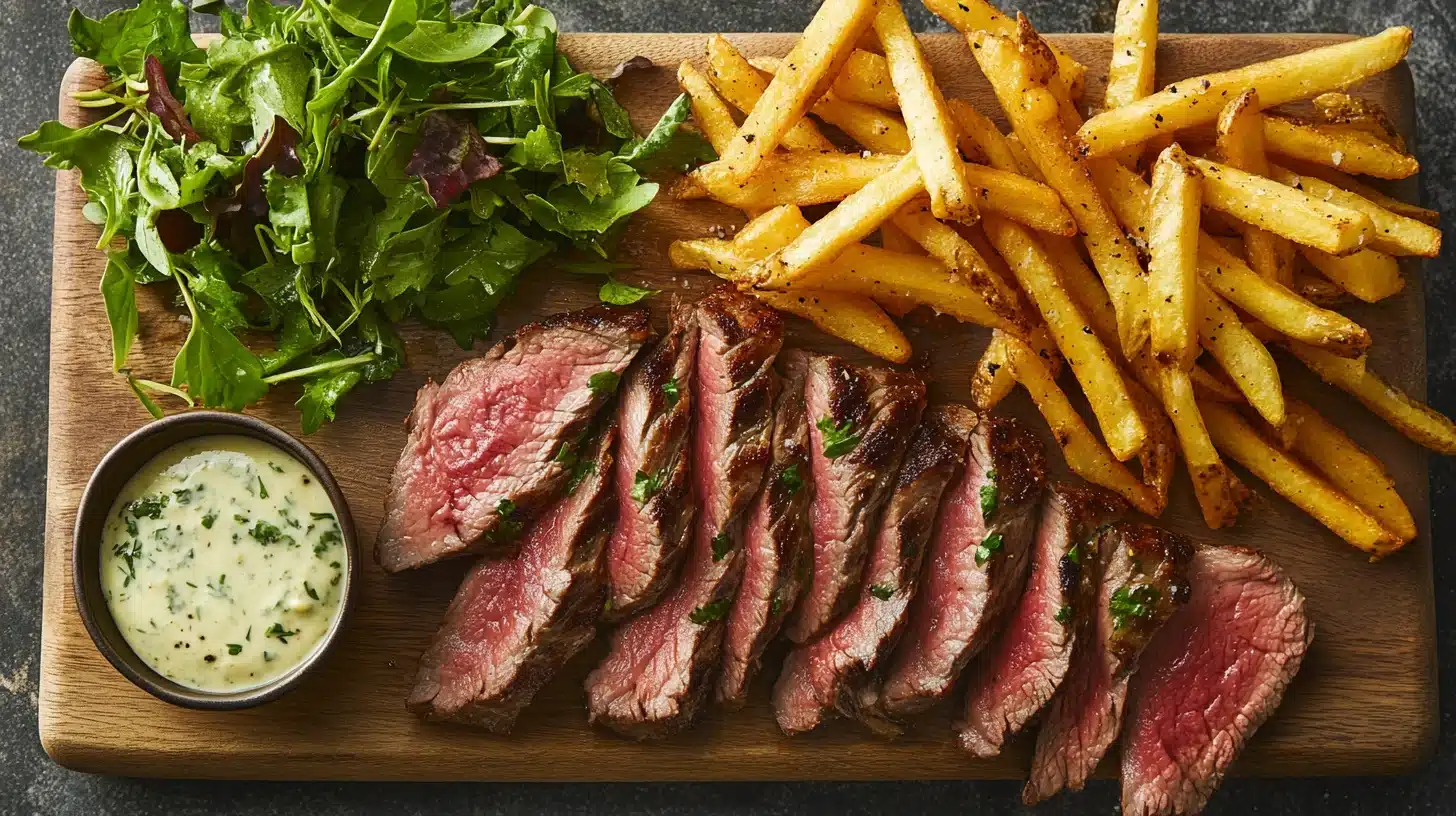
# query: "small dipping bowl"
[108,480]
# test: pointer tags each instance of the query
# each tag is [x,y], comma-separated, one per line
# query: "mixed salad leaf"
[329,169]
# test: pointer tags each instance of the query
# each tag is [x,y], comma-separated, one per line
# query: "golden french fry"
[1353,151]
[858,215]
[1418,421]
[792,177]
[1241,144]
[1009,192]
[958,255]
[1237,439]
[1282,210]
[1368,275]
[932,137]
[1130,73]
[894,239]
[1394,233]
[742,85]
[1342,109]
[1085,455]
[1219,492]
[1173,212]
[969,16]
[1318,290]
[1212,386]
[875,129]
[992,380]
[1034,116]
[769,232]
[1350,468]
[714,118]
[1197,100]
[865,78]
[1241,355]
[853,318]
[1349,183]
[816,57]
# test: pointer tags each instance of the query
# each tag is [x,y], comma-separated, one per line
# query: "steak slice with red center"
[664,661]
[860,421]
[485,447]
[826,675]
[1019,673]
[1211,676]
[977,563]
[515,621]
[1144,581]
[652,480]
[777,541]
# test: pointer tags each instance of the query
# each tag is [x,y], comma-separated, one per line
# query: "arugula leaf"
[106,161]
[118,290]
[669,146]
[215,368]
[398,21]
[321,394]
[838,439]
[621,294]
[123,38]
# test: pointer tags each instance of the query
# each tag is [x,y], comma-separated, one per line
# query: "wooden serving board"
[1365,702]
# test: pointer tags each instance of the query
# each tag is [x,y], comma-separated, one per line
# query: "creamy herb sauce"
[222,563]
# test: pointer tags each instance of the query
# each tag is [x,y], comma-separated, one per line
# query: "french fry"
[969,16]
[1195,101]
[1368,275]
[853,318]
[1283,210]
[858,215]
[792,177]
[1085,455]
[1353,151]
[1035,118]
[711,113]
[875,129]
[1394,233]
[770,232]
[1173,212]
[958,255]
[895,240]
[742,85]
[1318,290]
[1219,492]
[1343,110]
[932,138]
[1350,468]
[1247,362]
[993,380]
[1241,144]
[1421,423]
[1023,200]
[1238,440]
[1211,386]
[824,46]
[865,78]
[1349,183]
[1130,73]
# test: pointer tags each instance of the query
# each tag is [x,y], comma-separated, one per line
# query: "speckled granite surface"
[33,40]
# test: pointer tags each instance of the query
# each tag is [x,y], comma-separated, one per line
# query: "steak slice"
[485,446]
[663,662]
[652,480]
[778,545]
[1019,673]
[860,421]
[1144,581]
[1209,679]
[515,621]
[826,675]
[978,561]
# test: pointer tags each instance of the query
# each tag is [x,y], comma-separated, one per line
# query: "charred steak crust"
[1143,581]
[514,622]
[777,541]
[1210,677]
[485,446]
[976,567]
[871,412]
[826,675]
[653,471]
[663,662]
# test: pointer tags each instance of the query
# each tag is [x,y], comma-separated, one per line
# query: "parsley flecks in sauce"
[194,555]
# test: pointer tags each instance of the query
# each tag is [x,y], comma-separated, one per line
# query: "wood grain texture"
[1365,702]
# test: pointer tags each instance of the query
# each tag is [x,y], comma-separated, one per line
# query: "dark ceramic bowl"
[110,477]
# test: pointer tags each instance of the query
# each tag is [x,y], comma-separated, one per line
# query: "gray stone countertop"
[33,36]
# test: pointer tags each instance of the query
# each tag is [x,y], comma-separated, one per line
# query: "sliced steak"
[826,675]
[1209,679]
[486,445]
[1019,673]
[777,542]
[977,563]
[515,621]
[664,661]
[652,481]
[1144,581]
[860,421]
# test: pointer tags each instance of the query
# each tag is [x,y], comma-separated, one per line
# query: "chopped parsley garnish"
[310,590]
[208,520]
[277,631]
[327,539]
[262,489]
[711,611]
[776,605]
[645,485]
[322,516]
[791,479]
[1075,554]
[882,591]
[265,534]
[508,527]
[838,439]
[671,390]
[988,496]
[147,507]
[183,495]
[603,383]
[1132,601]
[722,545]
[1064,614]
[988,548]
[235,648]
[128,552]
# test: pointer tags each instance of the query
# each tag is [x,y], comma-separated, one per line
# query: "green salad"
[325,171]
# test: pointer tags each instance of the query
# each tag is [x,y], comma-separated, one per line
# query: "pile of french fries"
[1158,250]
